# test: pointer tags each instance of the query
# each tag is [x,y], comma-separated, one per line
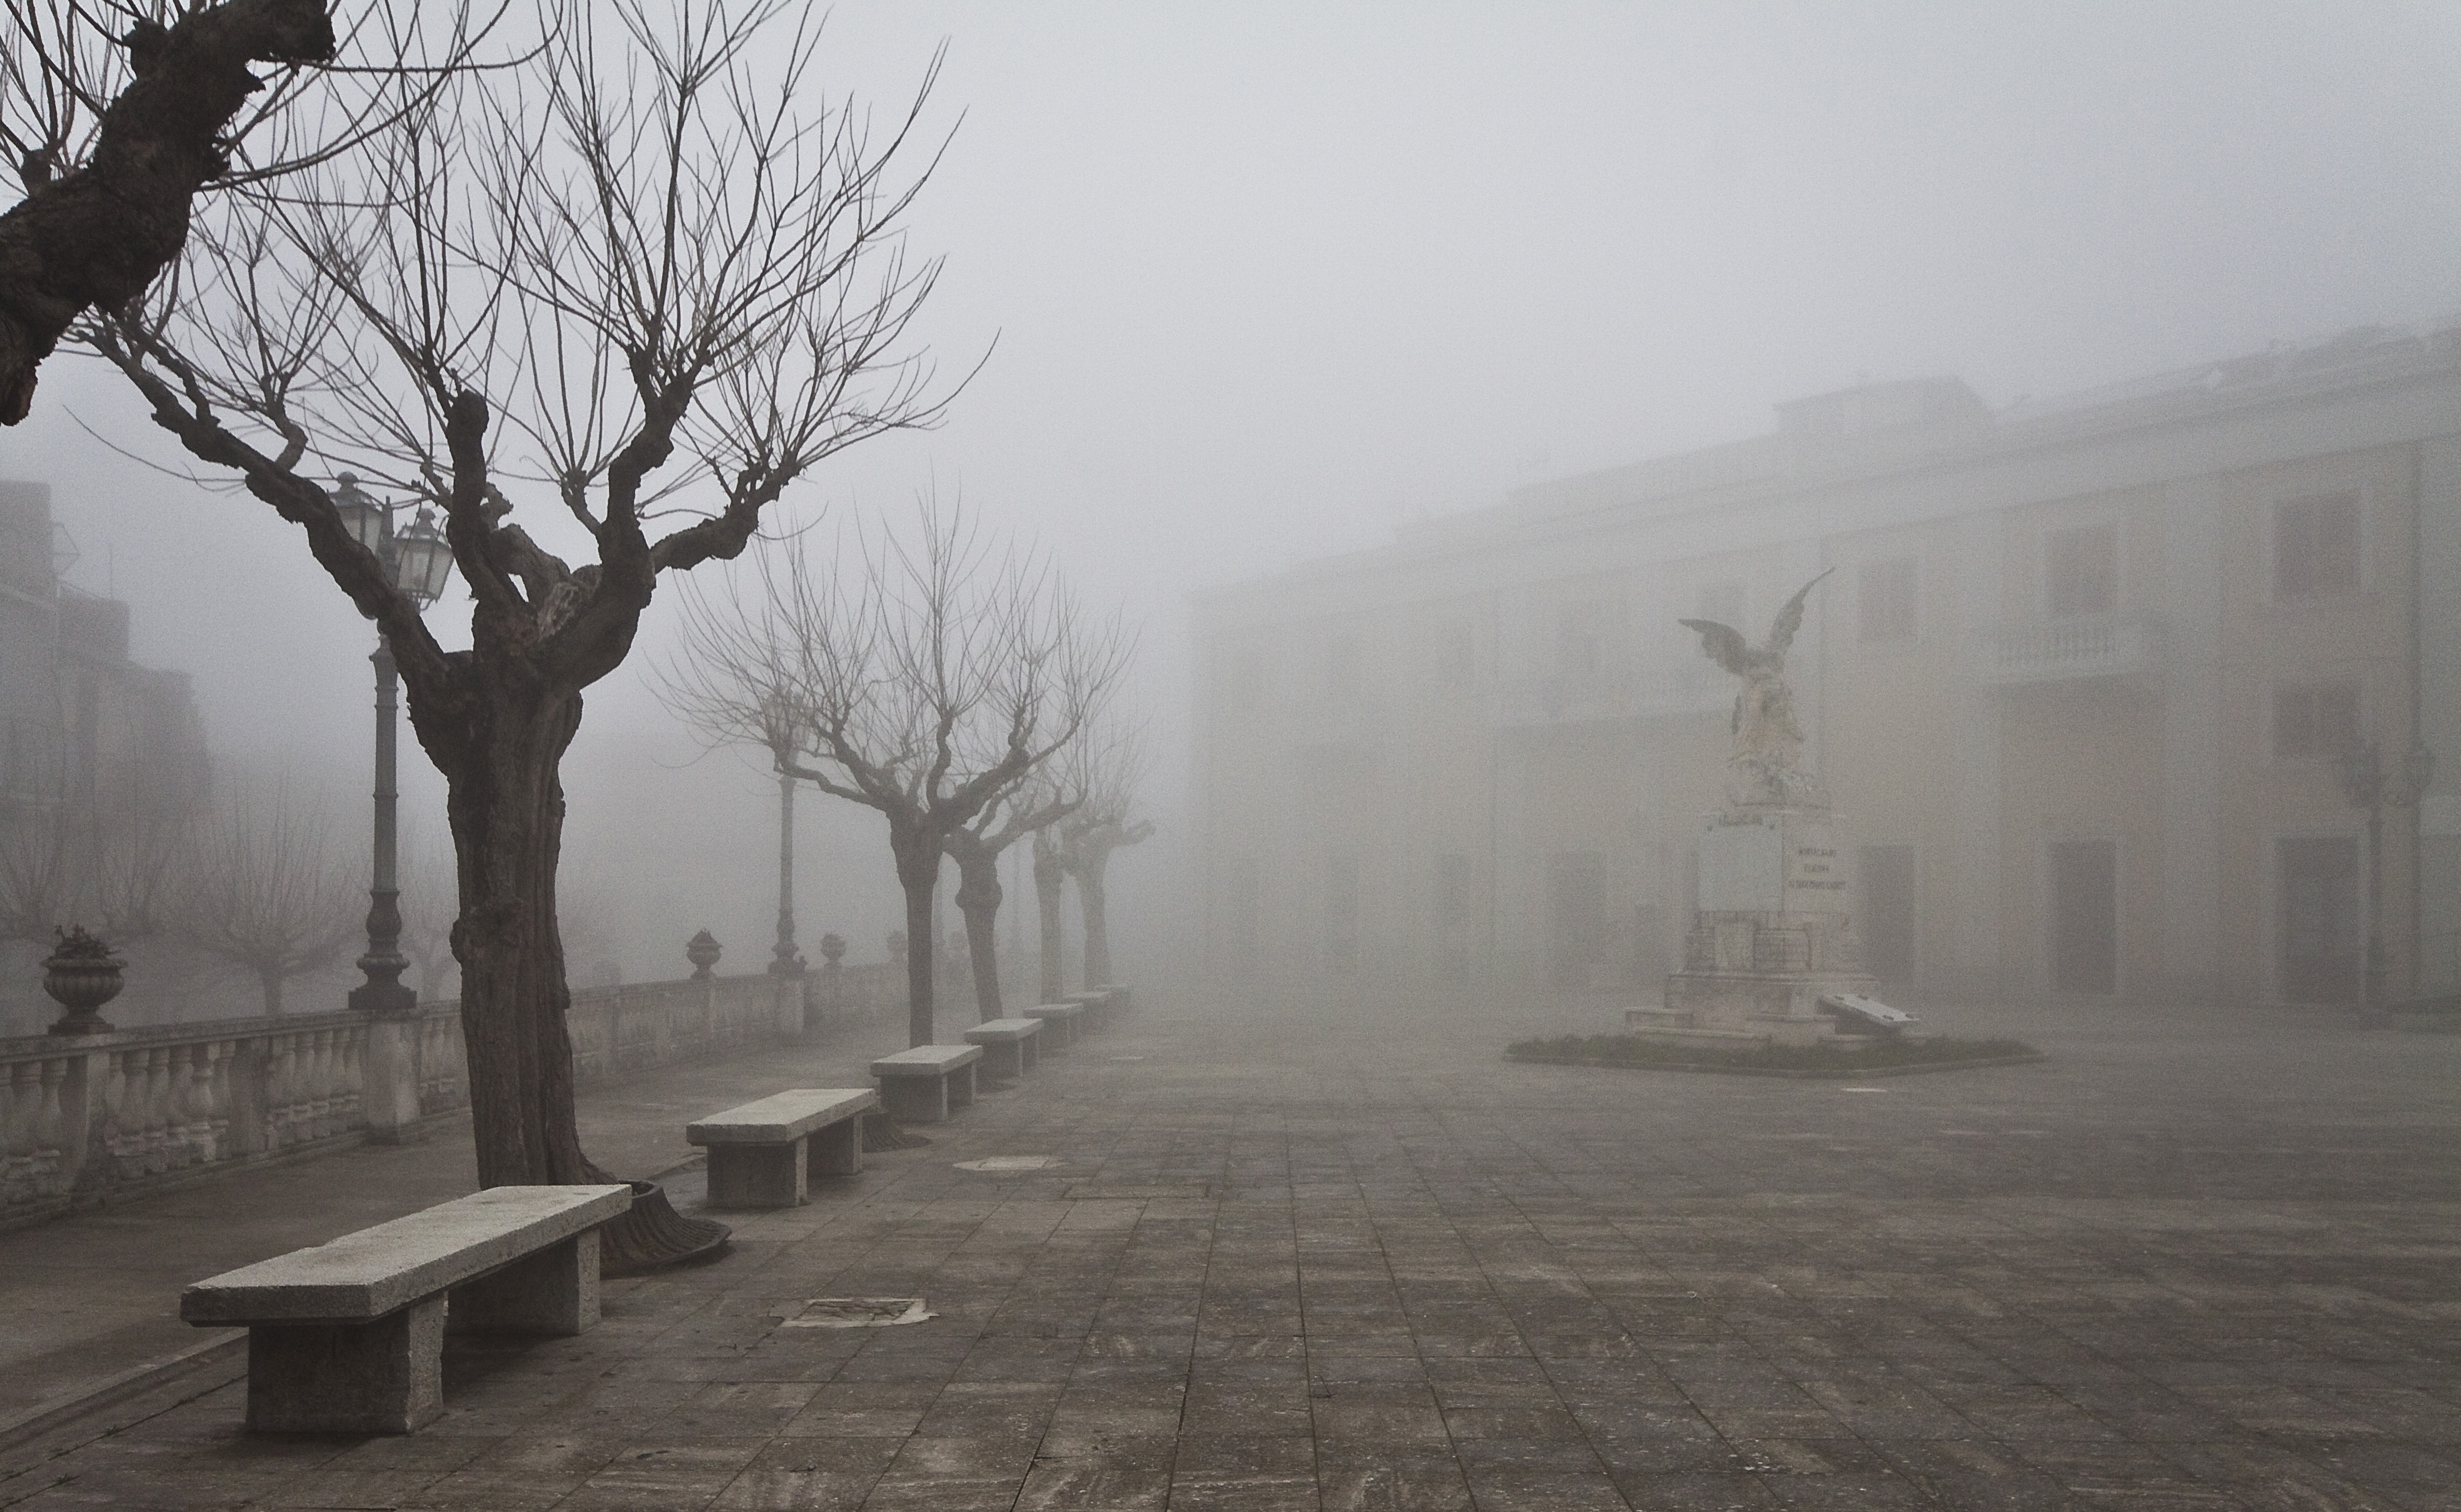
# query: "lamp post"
[778,723]
[2367,785]
[418,562]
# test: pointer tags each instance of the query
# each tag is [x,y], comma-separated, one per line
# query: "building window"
[2081,570]
[1341,915]
[1456,654]
[1885,599]
[2316,548]
[1886,874]
[2314,719]
[2084,916]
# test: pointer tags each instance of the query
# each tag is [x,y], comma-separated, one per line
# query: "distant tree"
[647,246]
[976,847]
[1050,911]
[930,678]
[266,888]
[40,886]
[1101,825]
[118,873]
[427,911]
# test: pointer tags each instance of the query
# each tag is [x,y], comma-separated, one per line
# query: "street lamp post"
[418,562]
[778,722]
[2369,786]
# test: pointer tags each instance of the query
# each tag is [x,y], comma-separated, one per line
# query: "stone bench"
[923,1084]
[348,1336]
[1097,1004]
[1010,1046]
[1060,1022]
[763,1154]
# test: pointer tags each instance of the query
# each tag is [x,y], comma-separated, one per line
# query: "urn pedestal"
[1771,934]
[81,982]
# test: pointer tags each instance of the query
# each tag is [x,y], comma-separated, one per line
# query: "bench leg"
[960,1083]
[999,1062]
[1032,1052]
[757,1175]
[382,1378]
[837,1148]
[553,1291]
[914,1100]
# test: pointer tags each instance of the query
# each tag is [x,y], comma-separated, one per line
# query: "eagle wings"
[1727,647]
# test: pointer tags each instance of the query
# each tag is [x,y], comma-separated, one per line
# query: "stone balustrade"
[85,1118]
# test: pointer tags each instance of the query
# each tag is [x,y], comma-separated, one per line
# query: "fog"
[1256,284]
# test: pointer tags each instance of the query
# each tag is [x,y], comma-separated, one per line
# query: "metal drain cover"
[858,1313]
[1010,1162]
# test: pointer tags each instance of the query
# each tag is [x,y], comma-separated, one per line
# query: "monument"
[1771,938]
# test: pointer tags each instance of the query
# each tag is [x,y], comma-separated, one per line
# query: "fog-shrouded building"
[85,733]
[2077,684]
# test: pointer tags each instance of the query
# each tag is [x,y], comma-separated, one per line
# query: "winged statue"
[1764,765]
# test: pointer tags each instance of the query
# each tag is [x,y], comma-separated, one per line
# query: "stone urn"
[833,949]
[702,951]
[897,947]
[81,974]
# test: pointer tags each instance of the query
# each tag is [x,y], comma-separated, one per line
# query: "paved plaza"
[2194,1260]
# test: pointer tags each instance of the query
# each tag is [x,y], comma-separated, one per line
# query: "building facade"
[2080,682]
[87,736]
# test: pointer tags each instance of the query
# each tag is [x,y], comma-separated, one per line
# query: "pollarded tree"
[1029,809]
[265,888]
[119,114]
[643,276]
[1050,910]
[1101,825]
[931,677]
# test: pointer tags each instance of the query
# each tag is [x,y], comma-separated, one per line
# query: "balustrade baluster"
[50,1132]
[22,1092]
[281,1090]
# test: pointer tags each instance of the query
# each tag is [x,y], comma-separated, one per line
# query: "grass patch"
[1880,1054]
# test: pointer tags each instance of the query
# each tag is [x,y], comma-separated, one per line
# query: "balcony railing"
[2056,650]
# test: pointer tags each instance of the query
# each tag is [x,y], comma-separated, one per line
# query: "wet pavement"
[2194,1259]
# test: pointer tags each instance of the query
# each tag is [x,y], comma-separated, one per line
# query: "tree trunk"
[272,982]
[978,899]
[1098,929]
[918,872]
[1049,878]
[507,807]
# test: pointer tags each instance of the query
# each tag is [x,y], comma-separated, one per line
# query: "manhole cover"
[858,1313]
[1009,1163]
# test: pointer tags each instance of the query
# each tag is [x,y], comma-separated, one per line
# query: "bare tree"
[119,872]
[427,911]
[930,678]
[1050,905]
[644,247]
[1099,826]
[119,114]
[975,847]
[266,889]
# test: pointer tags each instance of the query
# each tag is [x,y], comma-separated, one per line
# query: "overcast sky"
[1267,279]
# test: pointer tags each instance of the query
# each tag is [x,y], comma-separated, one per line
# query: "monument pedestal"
[1770,935]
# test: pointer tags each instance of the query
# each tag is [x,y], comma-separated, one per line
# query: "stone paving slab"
[2190,1262]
